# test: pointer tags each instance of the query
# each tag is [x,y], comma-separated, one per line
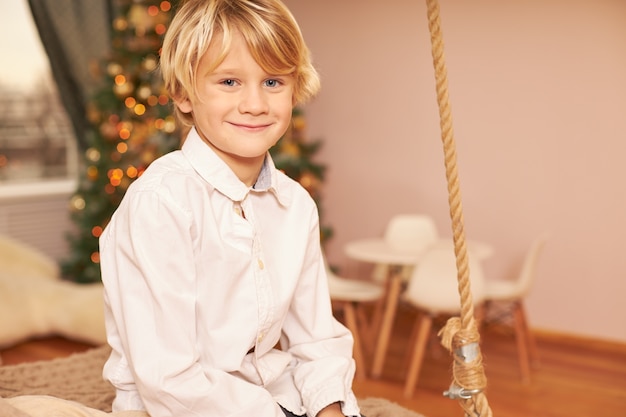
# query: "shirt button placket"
[264,294]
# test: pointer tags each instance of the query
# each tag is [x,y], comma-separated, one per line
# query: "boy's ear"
[183,105]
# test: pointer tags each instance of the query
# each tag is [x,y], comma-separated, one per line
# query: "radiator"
[38,216]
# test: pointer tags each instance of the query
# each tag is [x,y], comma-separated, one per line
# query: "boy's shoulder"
[165,171]
[287,185]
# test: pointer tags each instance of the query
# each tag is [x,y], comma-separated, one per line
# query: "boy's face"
[239,109]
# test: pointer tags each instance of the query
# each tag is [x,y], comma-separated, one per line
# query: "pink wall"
[538,93]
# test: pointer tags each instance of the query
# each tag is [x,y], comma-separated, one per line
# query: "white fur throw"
[35,302]
[19,259]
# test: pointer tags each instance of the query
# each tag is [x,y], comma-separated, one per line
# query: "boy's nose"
[253,100]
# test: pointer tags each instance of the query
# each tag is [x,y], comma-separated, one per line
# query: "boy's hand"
[332,410]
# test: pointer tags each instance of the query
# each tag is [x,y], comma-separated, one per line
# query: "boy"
[213,257]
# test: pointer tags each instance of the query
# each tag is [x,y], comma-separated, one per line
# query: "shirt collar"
[217,173]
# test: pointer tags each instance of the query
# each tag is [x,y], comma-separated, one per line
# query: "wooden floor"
[577,377]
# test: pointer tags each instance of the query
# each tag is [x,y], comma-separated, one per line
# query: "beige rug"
[73,387]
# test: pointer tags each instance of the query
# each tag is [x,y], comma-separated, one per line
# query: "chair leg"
[365,329]
[417,356]
[533,353]
[384,332]
[521,338]
[377,314]
[352,324]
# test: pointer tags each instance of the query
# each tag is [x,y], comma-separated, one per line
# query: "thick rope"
[460,335]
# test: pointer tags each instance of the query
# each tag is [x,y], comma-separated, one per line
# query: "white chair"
[411,232]
[433,290]
[348,295]
[509,295]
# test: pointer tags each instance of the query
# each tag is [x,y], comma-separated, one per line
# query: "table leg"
[389,313]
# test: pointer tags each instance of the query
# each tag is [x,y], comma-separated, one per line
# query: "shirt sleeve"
[148,268]
[321,345]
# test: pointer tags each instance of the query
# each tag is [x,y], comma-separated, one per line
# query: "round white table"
[380,251]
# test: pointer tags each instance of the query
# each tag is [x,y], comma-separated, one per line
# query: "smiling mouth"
[251,127]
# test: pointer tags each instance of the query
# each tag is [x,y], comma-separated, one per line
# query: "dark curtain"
[75,35]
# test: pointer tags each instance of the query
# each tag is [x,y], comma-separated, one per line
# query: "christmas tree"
[133,124]
[294,155]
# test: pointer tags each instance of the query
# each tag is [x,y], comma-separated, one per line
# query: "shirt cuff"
[333,393]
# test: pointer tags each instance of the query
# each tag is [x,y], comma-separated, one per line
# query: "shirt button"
[260,263]
[259,339]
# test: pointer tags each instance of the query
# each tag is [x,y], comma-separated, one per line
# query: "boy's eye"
[272,82]
[229,82]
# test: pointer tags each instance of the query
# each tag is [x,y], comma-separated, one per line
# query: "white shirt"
[203,276]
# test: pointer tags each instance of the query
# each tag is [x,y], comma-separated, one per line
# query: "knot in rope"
[467,368]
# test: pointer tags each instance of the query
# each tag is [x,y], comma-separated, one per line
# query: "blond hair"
[270,32]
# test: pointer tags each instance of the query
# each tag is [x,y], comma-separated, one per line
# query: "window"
[37,142]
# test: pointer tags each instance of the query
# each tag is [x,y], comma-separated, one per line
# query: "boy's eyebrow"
[224,69]
[235,70]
